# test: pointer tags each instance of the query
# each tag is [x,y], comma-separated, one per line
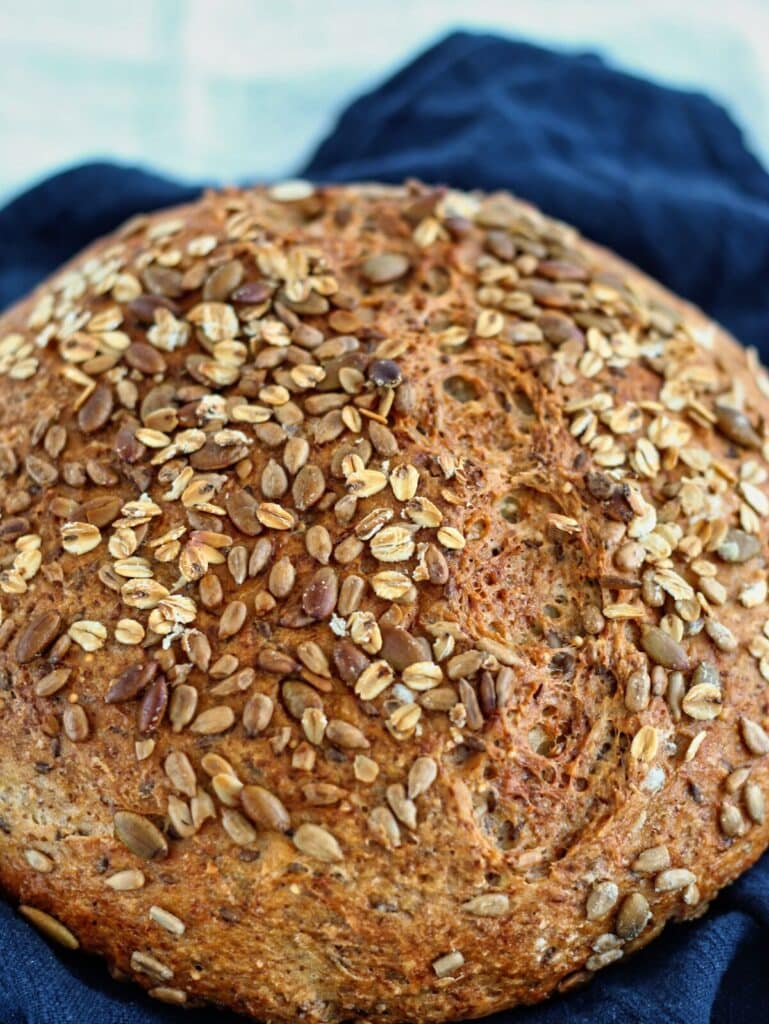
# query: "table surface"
[234,90]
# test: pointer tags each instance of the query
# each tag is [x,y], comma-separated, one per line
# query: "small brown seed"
[400,649]
[153,706]
[344,734]
[634,915]
[37,636]
[75,723]
[298,697]
[737,427]
[242,510]
[140,836]
[96,410]
[131,682]
[320,596]
[265,809]
[52,682]
[318,543]
[308,487]
[349,661]
[663,649]
[385,267]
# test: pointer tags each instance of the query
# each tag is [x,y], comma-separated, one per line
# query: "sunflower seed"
[232,619]
[126,881]
[385,267]
[448,964]
[52,682]
[49,926]
[754,802]
[75,723]
[182,706]
[754,737]
[634,915]
[652,860]
[637,690]
[491,904]
[674,878]
[663,649]
[37,636]
[736,426]
[96,410]
[168,921]
[298,697]
[601,900]
[422,774]
[731,820]
[140,836]
[180,773]
[214,721]
[317,842]
[131,682]
[265,809]
[238,828]
[39,861]
[172,996]
[402,807]
[144,963]
[344,734]
[320,596]
[281,578]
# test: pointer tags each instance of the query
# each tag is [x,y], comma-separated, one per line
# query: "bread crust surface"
[384,604]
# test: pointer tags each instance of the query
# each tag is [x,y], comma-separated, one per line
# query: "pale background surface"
[228,90]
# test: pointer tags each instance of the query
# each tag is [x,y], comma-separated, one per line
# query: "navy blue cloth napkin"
[664,178]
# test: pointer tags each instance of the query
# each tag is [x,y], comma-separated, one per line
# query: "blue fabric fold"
[663,177]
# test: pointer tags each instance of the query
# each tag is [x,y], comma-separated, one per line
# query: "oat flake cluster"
[384,604]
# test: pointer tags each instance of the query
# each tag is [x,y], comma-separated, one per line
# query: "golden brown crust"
[383,604]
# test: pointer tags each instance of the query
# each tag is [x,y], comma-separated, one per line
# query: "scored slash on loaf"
[384,623]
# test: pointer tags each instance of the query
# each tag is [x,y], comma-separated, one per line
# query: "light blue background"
[225,90]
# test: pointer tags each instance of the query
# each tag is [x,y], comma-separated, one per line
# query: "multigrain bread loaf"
[384,605]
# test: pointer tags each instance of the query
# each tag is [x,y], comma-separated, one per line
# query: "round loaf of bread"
[384,605]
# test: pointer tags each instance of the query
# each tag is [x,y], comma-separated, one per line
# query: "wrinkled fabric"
[661,176]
